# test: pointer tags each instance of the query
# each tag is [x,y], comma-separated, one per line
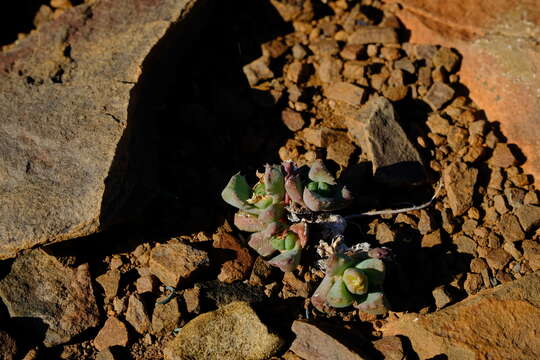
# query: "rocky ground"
[277,80]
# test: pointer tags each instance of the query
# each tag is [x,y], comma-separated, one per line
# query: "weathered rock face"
[231,332]
[39,286]
[500,323]
[499,43]
[395,159]
[67,93]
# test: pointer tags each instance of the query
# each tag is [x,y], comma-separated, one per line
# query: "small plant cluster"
[275,209]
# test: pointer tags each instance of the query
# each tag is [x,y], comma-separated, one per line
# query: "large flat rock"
[67,96]
[499,43]
[499,323]
[57,299]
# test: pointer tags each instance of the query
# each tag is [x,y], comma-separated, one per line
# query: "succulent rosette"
[263,207]
[318,191]
[349,281]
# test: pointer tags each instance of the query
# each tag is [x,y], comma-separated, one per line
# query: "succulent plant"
[318,191]
[349,281]
[262,207]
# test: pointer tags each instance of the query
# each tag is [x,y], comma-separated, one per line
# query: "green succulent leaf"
[237,192]
[375,271]
[356,281]
[294,188]
[274,181]
[278,243]
[337,264]
[338,295]
[290,240]
[318,300]
[315,201]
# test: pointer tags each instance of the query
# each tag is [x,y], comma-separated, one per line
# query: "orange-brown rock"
[501,59]
[499,323]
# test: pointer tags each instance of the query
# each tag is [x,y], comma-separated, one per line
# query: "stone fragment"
[457,138]
[321,137]
[531,198]
[394,158]
[329,69]
[500,204]
[390,347]
[373,34]
[166,317]
[231,332]
[351,52]
[137,315]
[274,48]
[8,346]
[349,93]
[478,265]
[315,342]
[390,53]
[355,70]
[340,150]
[515,196]
[258,70]
[192,299]
[294,287]
[438,124]
[446,58]
[438,94]
[65,180]
[502,156]
[498,258]
[175,260]
[473,283]
[298,71]
[39,286]
[425,51]
[459,182]
[531,252]
[146,284]
[299,51]
[529,216]
[261,272]
[510,228]
[324,47]
[465,245]
[292,119]
[395,92]
[290,10]
[385,234]
[113,333]
[427,222]
[441,297]
[511,248]
[405,64]
[433,239]
[237,268]
[109,282]
[424,76]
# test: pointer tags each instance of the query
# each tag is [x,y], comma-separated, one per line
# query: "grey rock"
[529,216]
[39,286]
[231,332]
[375,129]
[66,132]
[438,94]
